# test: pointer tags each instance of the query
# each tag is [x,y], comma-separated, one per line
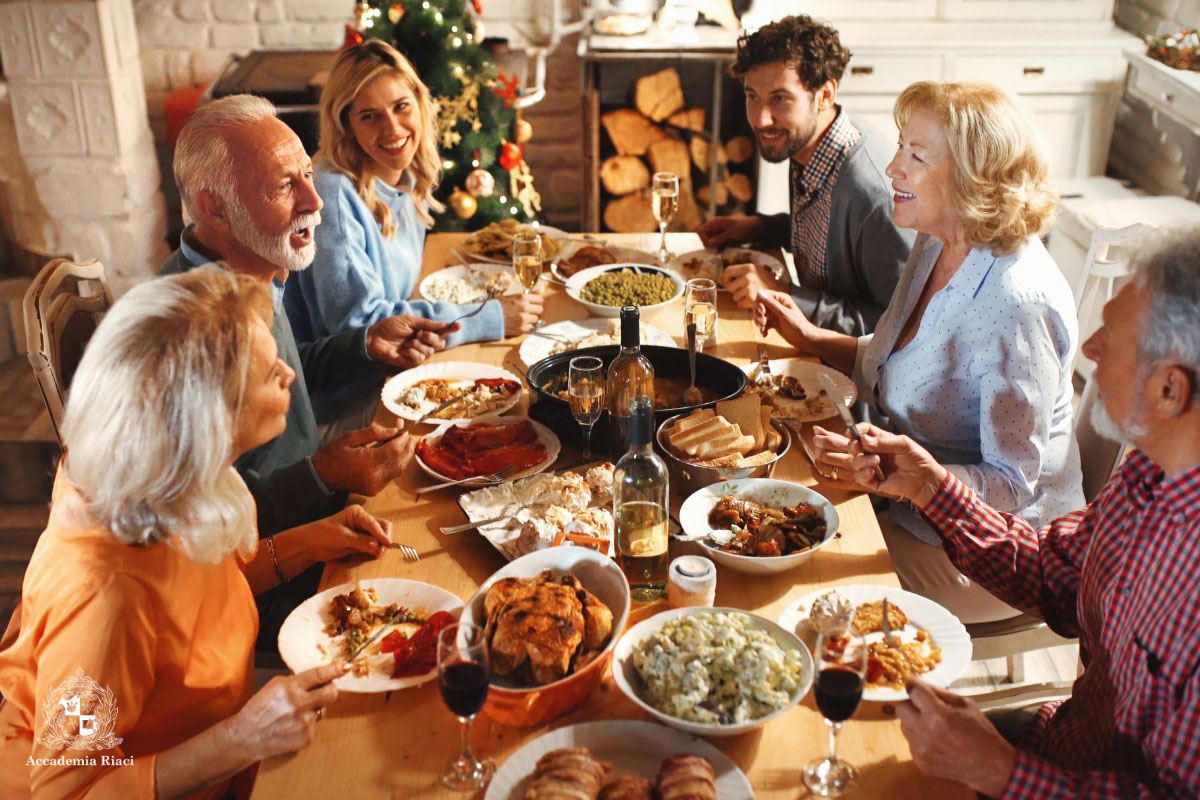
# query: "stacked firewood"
[663,135]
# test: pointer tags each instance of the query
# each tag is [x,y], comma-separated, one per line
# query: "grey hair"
[202,158]
[1168,269]
[151,413]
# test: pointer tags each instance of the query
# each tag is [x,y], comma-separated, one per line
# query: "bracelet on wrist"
[270,540]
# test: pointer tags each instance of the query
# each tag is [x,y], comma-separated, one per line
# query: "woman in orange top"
[131,672]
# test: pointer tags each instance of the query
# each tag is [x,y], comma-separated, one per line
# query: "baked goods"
[737,434]
[542,629]
[686,777]
[569,773]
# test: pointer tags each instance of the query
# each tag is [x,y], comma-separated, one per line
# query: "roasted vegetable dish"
[760,530]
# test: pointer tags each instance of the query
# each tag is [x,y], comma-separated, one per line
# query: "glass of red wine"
[462,663]
[841,663]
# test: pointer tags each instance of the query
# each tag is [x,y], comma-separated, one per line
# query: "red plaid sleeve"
[1035,571]
[1170,748]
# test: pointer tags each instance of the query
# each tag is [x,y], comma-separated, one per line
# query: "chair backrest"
[1098,457]
[62,307]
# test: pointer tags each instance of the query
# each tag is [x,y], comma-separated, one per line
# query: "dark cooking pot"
[712,373]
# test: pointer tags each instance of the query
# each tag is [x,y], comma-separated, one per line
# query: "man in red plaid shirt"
[1123,574]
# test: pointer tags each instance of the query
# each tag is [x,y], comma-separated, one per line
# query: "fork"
[764,366]
[495,477]
[409,553]
[492,295]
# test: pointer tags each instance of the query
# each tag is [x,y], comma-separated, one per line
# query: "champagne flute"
[462,664]
[700,307]
[585,388]
[664,199]
[527,258]
[841,664]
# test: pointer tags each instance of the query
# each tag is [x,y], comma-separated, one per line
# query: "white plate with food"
[744,671]
[312,635]
[590,332]
[751,502]
[943,629]
[414,392]
[581,254]
[632,748]
[604,290]
[795,391]
[485,445]
[575,502]
[469,284]
[493,244]
[711,263]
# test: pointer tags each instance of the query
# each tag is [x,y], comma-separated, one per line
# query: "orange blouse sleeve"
[108,635]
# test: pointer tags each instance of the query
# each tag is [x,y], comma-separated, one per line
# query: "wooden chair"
[62,307]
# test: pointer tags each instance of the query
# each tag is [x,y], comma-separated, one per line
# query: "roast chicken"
[541,629]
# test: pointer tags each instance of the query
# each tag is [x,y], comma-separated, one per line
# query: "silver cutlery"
[717,538]
[844,413]
[450,530]
[388,623]
[887,626]
[409,553]
[404,428]
[495,477]
[554,337]
[492,295]
[794,425]
[763,376]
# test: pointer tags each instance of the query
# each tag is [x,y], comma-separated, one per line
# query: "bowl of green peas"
[606,289]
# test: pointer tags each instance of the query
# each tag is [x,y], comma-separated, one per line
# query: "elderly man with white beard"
[1123,574]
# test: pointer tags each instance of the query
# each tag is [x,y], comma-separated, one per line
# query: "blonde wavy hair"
[1003,190]
[356,67]
[152,411]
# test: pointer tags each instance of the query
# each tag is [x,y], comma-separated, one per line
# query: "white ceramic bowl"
[580,279]
[693,516]
[602,577]
[630,682]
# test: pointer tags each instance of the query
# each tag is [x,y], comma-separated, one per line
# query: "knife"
[395,619]
[420,419]
[844,413]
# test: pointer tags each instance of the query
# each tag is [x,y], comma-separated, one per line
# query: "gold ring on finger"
[833,473]
[320,713]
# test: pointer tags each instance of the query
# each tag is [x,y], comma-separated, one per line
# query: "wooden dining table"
[392,745]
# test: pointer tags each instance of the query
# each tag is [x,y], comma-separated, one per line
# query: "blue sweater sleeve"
[355,279]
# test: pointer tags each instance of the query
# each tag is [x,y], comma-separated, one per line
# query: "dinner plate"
[434,287]
[466,371]
[693,516]
[550,231]
[632,747]
[944,628]
[303,643]
[535,348]
[808,373]
[544,435]
[619,254]
[709,262]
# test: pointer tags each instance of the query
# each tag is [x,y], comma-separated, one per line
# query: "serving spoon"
[717,538]
[691,396]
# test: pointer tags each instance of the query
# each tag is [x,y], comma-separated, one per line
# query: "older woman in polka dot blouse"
[972,358]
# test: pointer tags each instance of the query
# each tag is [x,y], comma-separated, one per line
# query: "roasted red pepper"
[417,654]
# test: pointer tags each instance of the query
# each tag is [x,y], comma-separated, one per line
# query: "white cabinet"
[1013,10]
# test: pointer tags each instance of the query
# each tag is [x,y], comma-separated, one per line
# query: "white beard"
[275,249]
[1123,433]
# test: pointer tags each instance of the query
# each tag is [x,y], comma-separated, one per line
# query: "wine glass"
[841,663]
[527,258]
[700,307]
[585,388]
[664,199]
[462,664]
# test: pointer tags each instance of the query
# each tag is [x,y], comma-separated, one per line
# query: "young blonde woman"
[376,171]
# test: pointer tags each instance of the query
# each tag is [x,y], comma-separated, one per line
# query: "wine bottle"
[630,375]
[640,509]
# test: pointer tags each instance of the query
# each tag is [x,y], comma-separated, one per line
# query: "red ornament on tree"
[510,155]
[478,6]
[353,37]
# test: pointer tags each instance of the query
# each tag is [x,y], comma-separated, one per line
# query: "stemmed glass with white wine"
[585,390]
[700,308]
[664,200]
[527,258]
[841,664]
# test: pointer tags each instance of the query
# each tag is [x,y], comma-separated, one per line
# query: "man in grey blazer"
[848,252]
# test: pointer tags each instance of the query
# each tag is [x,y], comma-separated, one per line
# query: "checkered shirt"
[812,191]
[1124,576]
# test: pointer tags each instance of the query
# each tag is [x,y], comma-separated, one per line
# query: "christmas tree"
[484,175]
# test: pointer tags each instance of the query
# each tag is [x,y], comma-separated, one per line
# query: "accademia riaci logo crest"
[79,715]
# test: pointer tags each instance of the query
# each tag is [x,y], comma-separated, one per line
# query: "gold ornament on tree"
[463,204]
[522,131]
[396,13]
[451,111]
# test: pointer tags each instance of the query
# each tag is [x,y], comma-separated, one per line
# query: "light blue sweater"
[358,277]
